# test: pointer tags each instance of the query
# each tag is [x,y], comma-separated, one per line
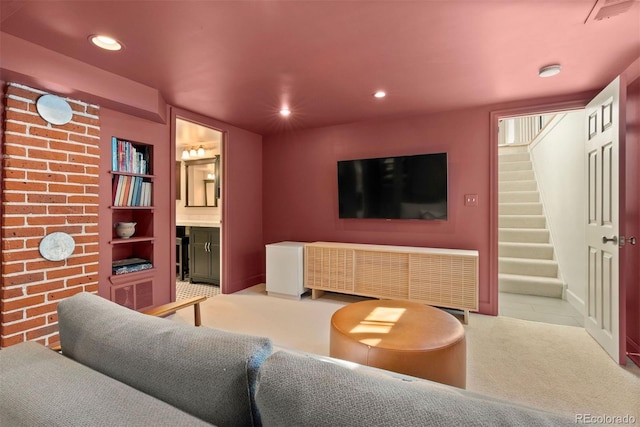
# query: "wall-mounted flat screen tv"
[403,187]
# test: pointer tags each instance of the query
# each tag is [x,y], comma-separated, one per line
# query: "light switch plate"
[471,200]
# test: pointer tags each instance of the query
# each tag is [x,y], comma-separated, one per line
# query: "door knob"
[613,239]
[632,240]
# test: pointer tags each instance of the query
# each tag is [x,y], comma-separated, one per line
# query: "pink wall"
[242,241]
[242,211]
[300,183]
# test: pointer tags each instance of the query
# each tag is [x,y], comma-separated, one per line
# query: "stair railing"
[522,130]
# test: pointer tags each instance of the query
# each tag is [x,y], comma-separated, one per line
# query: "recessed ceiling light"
[105,42]
[549,70]
[285,112]
[380,94]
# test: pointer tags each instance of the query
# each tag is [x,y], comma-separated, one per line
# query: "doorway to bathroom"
[198,208]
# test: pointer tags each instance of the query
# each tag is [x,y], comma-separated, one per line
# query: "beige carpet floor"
[553,367]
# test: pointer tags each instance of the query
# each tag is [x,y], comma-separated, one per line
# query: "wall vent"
[605,9]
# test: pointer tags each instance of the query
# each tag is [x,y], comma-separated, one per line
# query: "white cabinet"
[285,276]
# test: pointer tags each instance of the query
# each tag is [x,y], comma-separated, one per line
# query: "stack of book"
[131,191]
[130,158]
[130,265]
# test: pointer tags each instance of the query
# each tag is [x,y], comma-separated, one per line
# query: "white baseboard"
[575,302]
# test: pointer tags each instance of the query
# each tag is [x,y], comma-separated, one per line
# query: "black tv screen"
[404,187]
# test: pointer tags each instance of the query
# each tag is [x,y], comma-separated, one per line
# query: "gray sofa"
[122,368]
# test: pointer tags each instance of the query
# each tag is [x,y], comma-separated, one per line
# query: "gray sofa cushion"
[39,387]
[299,390]
[207,373]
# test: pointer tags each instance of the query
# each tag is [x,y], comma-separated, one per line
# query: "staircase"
[525,254]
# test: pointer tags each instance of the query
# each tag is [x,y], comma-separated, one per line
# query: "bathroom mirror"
[202,182]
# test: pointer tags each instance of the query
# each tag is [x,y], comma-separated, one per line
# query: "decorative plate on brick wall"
[54,109]
[57,246]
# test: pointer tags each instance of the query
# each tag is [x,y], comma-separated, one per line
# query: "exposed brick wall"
[49,184]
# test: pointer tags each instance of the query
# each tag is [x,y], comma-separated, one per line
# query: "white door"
[602,156]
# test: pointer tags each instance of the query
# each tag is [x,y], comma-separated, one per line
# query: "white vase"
[125,230]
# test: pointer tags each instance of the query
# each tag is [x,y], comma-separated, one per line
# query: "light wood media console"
[439,277]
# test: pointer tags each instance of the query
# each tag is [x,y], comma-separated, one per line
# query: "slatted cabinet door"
[438,277]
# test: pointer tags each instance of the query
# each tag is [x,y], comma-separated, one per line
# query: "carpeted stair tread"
[519,197]
[523,235]
[522,221]
[525,250]
[525,208]
[515,166]
[513,157]
[530,285]
[533,260]
[528,266]
[523,185]
[520,175]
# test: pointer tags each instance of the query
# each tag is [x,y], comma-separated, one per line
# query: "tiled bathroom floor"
[539,309]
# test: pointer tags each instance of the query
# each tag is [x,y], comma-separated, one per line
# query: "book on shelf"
[137,195]
[128,261]
[128,157]
[132,195]
[145,197]
[130,265]
[147,193]
[131,268]
[124,196]
[115,187]
[120,190]
[131,191]
[132,182]
[134,191]
[114,153]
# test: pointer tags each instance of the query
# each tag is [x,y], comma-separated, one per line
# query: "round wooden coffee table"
[401,336]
